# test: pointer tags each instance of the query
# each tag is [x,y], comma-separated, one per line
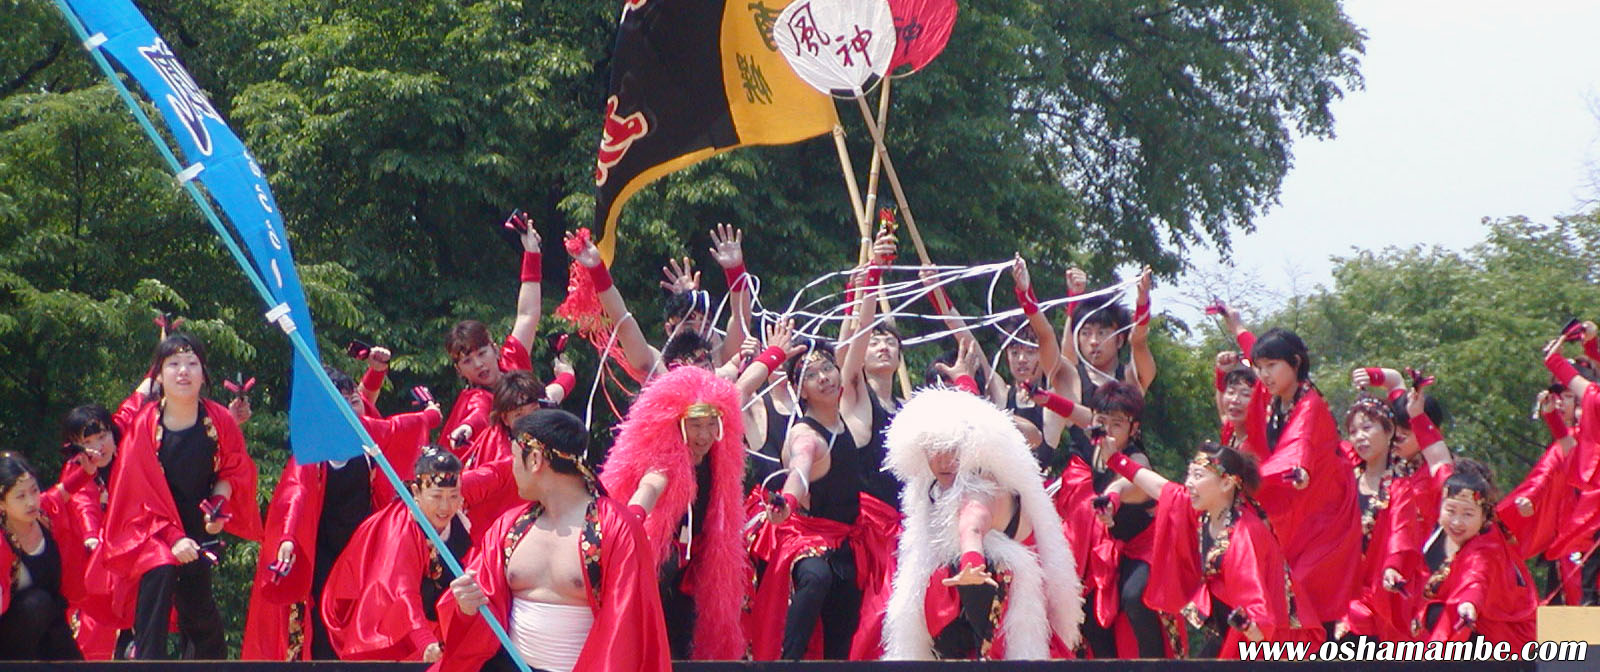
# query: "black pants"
[34,627]
[1135,575]
[188,589]
[1101,641]
[824,586]
[1586,575]
[679,610]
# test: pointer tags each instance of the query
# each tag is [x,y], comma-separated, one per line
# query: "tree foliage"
[397,135]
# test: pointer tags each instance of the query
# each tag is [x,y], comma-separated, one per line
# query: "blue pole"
[301,348]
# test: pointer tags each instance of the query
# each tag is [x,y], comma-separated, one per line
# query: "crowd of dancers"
[772,496]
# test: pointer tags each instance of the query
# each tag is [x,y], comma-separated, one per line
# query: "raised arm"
[642,356]
[1043,333]
[1077,283]
[526,325]
[1434,449]
[727,247]
[779,349]
[1563,369]
[1144,364]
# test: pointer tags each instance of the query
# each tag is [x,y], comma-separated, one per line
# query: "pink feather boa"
[652,440]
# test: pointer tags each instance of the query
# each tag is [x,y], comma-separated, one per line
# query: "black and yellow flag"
[691,79]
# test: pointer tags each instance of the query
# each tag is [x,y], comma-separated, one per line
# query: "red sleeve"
[514,356]
[1254,572]
[472,409]
[84,507]
[73,477]
[1255,423]
[466,636]
[1545,487]
[630,609]
[486,481]
[1175,573]
[401,437]
[1585,458]
[300,512]
[6,560]
[123,418]
[372,603]
[235,466]
[1247,342]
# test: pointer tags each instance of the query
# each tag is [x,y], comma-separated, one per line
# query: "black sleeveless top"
[1044,452]
[837,495]
[771,446]
[1091,398]
[1130,519]
[875,480]
[188,458]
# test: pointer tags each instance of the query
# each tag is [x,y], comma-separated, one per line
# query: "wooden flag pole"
[850,180]
[894,179]
[872,210]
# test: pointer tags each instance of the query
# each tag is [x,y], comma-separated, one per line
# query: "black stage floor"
[1592,663]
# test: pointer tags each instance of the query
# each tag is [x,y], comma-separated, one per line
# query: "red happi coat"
[1095,552]
[628,635]
[293,515]
[142,523]
[1250,574]
[1318,528]
[372,603]
[872,542]
[1486,573]
[473,404]
[492,446]
[1547,489]
[1399,531]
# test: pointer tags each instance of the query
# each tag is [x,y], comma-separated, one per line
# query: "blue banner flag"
[215,157]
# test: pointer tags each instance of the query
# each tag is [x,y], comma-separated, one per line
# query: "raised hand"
[582,249]
[727,246]
[681,277]
[1019,274]
[1077,281]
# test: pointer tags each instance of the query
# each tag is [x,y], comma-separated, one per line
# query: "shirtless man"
[579,575]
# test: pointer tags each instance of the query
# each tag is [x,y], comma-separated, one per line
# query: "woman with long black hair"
[33,603]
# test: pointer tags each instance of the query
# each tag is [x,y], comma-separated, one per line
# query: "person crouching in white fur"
[984,571]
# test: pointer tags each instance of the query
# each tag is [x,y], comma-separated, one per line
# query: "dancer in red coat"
[41,565]
[181,477]
[570,574]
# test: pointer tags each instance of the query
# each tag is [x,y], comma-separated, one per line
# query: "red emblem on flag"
[618,134]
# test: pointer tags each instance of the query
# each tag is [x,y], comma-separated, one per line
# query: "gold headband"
[1468,496]
[438,479]
[528,444]
[1214,465]
[702,409]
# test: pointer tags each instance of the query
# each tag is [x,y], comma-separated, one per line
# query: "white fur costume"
[1045,595]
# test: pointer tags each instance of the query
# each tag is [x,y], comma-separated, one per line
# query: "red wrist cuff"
[1028,300]
[1422,427]
[974,560]
[1247,343]
[773,357]
[1563,369]
[1057,404]
[1221,378]
[1141,314]
[1591,349]
[1122,466]
[169,535]
[1557,424]
[966,382]
[373,378]
[1115,500]
[599,276]
[567,381]
[792,502]
[874,276]
[422,638]
[532,267]
[1375,377]
[738,278]
[637,511]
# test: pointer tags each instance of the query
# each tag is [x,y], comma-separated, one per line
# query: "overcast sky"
[1472,109]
